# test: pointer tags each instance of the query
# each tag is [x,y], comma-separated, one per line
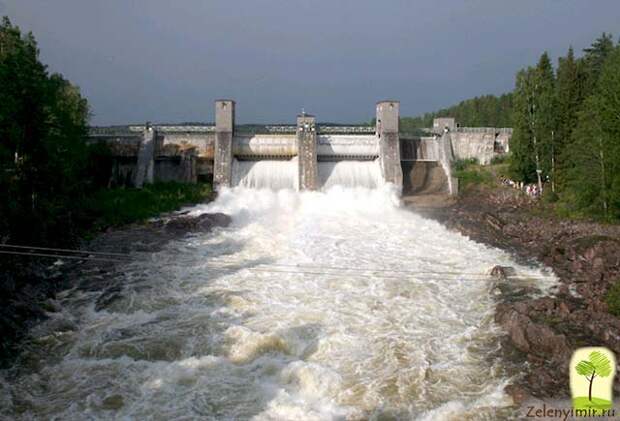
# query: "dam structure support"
[389,143]
[306,152]
[146,154]
[224,131]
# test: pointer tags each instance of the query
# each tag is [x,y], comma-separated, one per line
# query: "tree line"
[54,186]
[566,122]
[46,167]
[482,111]
[567,129]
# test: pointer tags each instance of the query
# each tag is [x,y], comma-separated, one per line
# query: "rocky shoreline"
[31,284]
[543,332]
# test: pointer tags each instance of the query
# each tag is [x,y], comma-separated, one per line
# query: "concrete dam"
[305,156]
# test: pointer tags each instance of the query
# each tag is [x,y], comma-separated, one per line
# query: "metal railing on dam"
[503,130]
[275,129]
[210,128]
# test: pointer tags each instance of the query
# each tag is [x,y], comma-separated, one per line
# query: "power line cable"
[58,256]
[66,250]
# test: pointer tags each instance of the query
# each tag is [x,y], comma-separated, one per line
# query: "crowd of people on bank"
[532,190]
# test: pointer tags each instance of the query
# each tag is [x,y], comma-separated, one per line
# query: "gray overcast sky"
[165,60]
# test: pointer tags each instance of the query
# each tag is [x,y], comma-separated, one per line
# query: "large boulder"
[201,223]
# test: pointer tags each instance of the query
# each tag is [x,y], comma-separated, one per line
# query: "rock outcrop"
[585,256]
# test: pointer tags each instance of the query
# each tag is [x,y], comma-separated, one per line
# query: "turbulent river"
[309,306]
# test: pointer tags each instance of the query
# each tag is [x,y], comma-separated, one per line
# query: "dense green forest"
[53,185]
[567,129]
[43,156]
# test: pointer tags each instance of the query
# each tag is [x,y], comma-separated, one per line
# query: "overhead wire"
[226,264]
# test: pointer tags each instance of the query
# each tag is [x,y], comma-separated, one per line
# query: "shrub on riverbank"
[121,206]
[613,299]
[470,173]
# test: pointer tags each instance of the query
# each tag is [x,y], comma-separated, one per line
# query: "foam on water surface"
[311,306]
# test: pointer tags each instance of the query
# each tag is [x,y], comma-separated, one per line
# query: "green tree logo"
[592,370]
[596,365]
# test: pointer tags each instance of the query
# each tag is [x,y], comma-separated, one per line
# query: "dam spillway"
[323,160]
[309,306]
[272,162]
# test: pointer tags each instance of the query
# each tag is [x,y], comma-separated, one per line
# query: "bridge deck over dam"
[188,153]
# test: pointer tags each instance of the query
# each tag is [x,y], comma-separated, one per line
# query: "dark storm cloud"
[167,61]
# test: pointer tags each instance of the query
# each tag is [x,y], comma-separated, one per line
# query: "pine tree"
[594,178]
[522,162]
[569,96]
[594,59]
[534,120]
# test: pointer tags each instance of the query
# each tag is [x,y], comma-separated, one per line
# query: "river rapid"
[309,306]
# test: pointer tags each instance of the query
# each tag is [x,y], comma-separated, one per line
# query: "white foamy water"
[265,174]
[350,173]
[312,306]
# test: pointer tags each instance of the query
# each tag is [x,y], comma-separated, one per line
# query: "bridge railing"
[503,130]
[282,129]
[209,128]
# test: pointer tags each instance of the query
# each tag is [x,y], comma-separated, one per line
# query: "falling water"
[311,306]
[350,173]
[265,174]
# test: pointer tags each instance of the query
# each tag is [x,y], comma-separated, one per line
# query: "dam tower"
[388,115]
[224,131]
[306,152]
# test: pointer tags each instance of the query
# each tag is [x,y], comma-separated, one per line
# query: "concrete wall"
[181,168]
[481,143]
[443,123]
[424,177]
[203,142]
[446,157]
[421,148]
[146,155]
[480,146]
[271,145]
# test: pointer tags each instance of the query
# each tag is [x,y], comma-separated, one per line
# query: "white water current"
[265,174]
[350,173]
[310,306]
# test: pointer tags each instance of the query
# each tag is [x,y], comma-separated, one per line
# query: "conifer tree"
[594,178]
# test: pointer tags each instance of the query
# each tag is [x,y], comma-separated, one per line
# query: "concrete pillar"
[224,128]
[306,152]
[389,143]
[446,157]
[146,157]
[442,123]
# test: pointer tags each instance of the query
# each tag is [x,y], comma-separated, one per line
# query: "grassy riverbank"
[474,177]
[120,206]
